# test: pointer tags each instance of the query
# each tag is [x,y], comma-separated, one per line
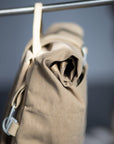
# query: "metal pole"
[57,6]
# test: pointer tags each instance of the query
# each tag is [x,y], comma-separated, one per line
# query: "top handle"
[36,28]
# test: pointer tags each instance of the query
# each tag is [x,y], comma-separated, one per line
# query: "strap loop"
[36,28]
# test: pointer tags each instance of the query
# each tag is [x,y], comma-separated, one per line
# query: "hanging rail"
[57,6]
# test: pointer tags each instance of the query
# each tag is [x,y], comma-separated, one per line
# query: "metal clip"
[7,122]
[84,51]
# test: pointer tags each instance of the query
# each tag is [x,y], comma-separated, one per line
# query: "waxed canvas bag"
[47,104]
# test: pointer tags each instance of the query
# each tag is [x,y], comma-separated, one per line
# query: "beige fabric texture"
[52,106]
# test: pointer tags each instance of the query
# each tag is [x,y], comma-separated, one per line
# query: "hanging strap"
[10,125]
[36,48]
[36,28]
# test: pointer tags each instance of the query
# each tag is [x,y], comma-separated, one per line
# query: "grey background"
[98,24]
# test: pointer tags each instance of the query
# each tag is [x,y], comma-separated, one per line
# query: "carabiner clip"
[84,51]
[7,122]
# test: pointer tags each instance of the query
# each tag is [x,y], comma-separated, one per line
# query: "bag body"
[49,96]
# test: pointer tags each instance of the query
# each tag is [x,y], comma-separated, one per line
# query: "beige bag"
[47,104]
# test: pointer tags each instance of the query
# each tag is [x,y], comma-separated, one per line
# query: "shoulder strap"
[11,127]
[36,46]
[36,28]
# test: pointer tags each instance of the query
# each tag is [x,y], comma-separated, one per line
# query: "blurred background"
[98,25]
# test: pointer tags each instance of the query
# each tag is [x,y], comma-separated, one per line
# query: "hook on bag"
[7,122]
[10,124]
[84,52]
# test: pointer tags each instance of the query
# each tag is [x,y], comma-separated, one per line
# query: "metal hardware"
[58,6]
[84,51]
[7,122]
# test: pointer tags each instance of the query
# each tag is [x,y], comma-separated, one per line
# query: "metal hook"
[7,122]
[84,51]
